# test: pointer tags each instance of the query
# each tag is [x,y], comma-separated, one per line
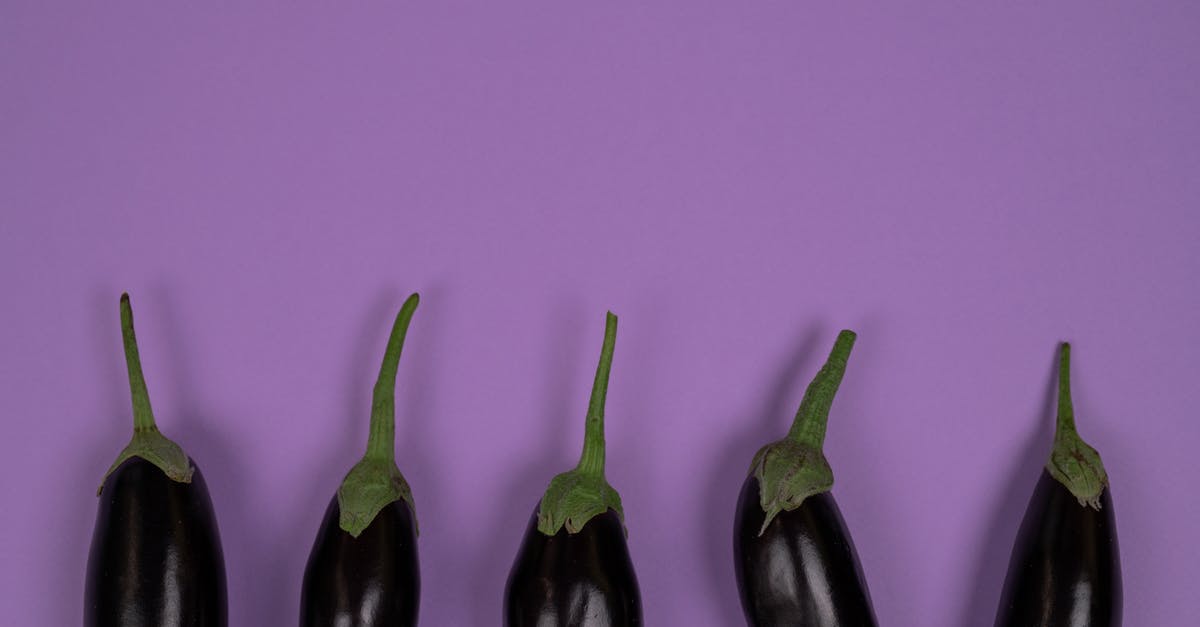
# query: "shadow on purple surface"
[213,455]
[79,497]
[416,412]
[996,543]
[769,422]
[198,430]
[567,354]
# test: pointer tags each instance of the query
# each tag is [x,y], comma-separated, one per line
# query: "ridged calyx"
[794,468]
[582,493]
[147,442]
[1073,462]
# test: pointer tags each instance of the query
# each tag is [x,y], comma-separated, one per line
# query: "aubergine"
[363,570]
[573,568]
[1066,567]
[155,558]
[794,559]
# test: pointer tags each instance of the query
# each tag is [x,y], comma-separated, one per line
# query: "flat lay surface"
[962,186]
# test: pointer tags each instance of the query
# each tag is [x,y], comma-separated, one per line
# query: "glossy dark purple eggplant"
[1065,567]
[155,558]
[794,558]
[573,568]
[583,578]
[156,554]
[803,570]
[363,570]
[374,577]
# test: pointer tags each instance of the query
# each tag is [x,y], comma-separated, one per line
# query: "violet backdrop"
[963,185]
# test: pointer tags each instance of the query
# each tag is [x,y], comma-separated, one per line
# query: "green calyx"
[147,442]
[1073,462]
[578,495]
[375,481]
[794,468]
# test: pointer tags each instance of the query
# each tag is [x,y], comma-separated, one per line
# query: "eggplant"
[155,557]
[363,569]
[573,568]
[1065,567]
[794,559]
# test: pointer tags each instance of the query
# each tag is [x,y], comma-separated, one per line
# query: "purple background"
[962,186]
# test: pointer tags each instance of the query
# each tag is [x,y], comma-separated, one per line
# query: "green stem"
[375,481]
[143,415]
[147,442]
[1065,421]
[381,443]
[591,460]
[794,468]
[808,428]
[576,496]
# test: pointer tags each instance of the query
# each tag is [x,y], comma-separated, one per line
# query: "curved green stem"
[578,495]
[1073,462]
[143,415]
[375,481]
[147,442]
[381,443]
[808,427]
[794,468]
[591,460]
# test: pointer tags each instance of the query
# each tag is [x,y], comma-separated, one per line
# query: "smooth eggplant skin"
[373,580]
[803,570]
[1065,569]
[583,579]
[156,555]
